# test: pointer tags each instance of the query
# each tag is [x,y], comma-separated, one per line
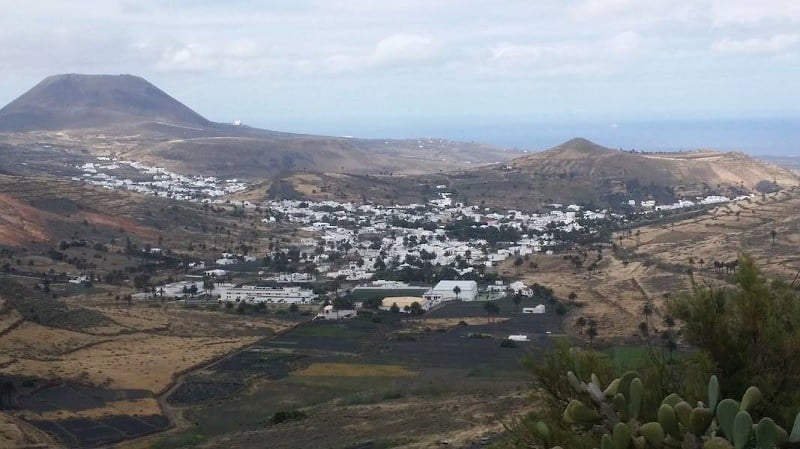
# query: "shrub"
[508,343]
[289,415]
[478,335]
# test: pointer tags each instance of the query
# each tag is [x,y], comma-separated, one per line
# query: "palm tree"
[773,234]
[492,309]
[457,291]
[516,299]
[647,311]
[592,331]
[581,323]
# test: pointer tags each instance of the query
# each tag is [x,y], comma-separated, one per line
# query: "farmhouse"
[273,295]
[446,291]
[329,313]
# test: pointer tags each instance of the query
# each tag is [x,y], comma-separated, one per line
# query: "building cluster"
[135,176]
[371,236]
[228,292]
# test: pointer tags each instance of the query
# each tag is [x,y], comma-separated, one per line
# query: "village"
[114,173]
[407,258]
[420,255]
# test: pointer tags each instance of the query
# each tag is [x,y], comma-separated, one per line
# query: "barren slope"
[577,171]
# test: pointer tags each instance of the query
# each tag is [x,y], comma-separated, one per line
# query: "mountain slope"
[75,101]
[126,115]
[577,171]
[580,158]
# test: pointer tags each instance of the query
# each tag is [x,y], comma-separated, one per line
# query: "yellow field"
[31,340]
[147,362]
[134,407]
[354,370]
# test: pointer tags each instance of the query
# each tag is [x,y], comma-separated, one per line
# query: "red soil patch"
[119,223]
[20,223]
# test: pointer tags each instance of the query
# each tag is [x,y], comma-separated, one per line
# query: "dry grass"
[147,362]
[613,295]
[16,434]
[134,407]
[31,340]
[354,370]
[728,230]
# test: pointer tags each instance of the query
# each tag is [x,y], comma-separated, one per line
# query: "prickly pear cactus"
[614,412]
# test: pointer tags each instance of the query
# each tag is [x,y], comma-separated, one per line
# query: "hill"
[74,101]
[580,158]
[126,115]
[577,171]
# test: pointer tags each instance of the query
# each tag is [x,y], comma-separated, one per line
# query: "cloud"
[572,57]
[404,48]
[634,13]
[774,44]
[394,51]
[239,57]
[754,12]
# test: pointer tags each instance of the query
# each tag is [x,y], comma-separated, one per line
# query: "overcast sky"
[362,66]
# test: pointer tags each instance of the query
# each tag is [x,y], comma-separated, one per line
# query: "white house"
[329,313]
[535,310]
[443,291]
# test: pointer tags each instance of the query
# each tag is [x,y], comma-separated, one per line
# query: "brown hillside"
[76,101]
[584,159]
[577,171]
[125,114]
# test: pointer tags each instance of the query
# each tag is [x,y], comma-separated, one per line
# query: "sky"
[524,73]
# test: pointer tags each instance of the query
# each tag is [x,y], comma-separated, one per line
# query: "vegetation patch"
[355,370]
[291,415]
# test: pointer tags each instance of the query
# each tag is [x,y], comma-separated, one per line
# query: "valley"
[171,282]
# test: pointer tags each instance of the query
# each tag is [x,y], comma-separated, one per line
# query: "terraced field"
[89,371]
[350,381]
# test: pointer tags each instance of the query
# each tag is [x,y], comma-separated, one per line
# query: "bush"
[478,335]
[290,415]
[508,343]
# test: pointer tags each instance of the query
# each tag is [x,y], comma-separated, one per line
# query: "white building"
[273,295]
[329,313]
[535,310]
[443,291]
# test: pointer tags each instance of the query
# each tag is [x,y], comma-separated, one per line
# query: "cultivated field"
[99,378]
[392,383]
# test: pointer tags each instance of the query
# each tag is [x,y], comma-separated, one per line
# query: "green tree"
[751,332]
[141,281]
[457,291]
[208,284]
[416,309]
